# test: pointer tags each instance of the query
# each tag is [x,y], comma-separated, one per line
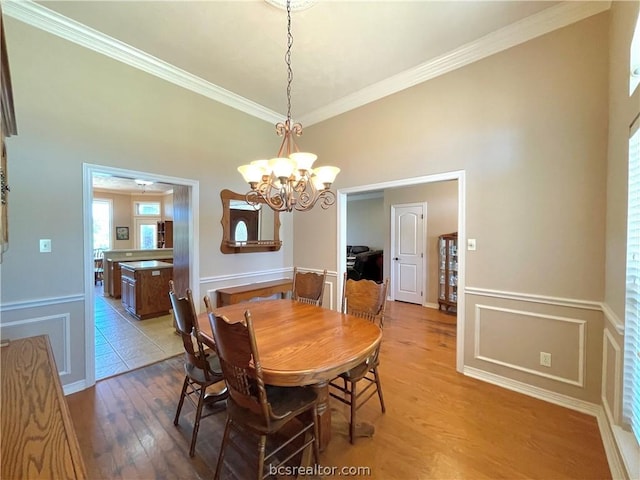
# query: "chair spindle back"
[308,287]
[187,323]
[365,299]
[240,362]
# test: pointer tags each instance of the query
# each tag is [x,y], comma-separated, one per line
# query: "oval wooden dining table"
[301,344]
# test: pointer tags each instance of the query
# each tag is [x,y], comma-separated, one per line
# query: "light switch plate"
[45,245]
[471,244]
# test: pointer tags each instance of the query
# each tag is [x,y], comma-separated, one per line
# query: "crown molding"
[550,19]
[52,22]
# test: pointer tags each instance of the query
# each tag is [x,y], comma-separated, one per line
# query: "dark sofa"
[363,263]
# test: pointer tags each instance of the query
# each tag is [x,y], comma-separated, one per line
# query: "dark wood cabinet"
[7,128]
[145,288]
[114,285]
[448,271]
[127,289]
[165,234]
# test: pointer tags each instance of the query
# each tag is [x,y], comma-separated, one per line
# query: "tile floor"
[124,343]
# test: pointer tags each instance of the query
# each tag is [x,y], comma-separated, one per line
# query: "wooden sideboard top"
[38,438]
[231,295]
[252,287]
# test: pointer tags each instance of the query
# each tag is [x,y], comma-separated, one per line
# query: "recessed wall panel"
[530,334]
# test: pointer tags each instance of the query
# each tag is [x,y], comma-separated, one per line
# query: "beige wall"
[73,106]
[526,125]
[367,222]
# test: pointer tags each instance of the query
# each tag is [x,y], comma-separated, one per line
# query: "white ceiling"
[345,53]
[107,182]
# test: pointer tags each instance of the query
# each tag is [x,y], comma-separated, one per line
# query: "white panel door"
[408,252]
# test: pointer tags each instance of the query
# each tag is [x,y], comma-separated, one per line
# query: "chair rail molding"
[247,277]
[530,297]
[41,302]
[612,318]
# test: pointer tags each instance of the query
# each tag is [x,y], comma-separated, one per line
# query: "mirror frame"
[229,246]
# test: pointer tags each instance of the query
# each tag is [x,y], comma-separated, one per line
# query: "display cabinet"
[448,271]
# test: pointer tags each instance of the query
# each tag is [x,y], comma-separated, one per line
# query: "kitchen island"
[145,288]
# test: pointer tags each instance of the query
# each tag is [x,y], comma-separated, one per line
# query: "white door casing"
[407,250]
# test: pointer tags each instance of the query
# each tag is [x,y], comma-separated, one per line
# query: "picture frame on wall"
[122,233]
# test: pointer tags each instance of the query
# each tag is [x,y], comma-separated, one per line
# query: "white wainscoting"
[57,327]
[610,344]
[483,314]
[614,439]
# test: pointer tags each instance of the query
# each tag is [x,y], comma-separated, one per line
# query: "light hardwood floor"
[124,343]
[439,424]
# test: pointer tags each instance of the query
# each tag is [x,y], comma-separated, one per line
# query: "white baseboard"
[616,465]
[536,392]
[74,387]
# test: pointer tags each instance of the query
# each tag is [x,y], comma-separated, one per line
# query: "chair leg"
[352,423]
[196,423]
[316,435]
[225,436]
[181,402]
[261,448]
[379,388]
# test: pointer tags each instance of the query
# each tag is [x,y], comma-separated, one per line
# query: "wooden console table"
[242,293]
[38,439]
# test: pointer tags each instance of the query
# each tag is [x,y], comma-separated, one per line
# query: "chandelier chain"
[287,58]
[288,182]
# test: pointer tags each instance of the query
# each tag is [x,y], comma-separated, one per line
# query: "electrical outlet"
[45,245]
[545,359]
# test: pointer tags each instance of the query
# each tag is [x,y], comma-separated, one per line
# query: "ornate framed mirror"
[247,229]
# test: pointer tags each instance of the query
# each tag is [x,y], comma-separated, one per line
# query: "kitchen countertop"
[146,265]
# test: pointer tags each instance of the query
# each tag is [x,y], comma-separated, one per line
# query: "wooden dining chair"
[98,266]
[365,299]
[202,368]
[308,287]
[258,410]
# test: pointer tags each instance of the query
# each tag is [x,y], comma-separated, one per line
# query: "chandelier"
[288,181]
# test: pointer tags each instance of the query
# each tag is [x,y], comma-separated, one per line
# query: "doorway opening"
[189,253]
[459,178]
